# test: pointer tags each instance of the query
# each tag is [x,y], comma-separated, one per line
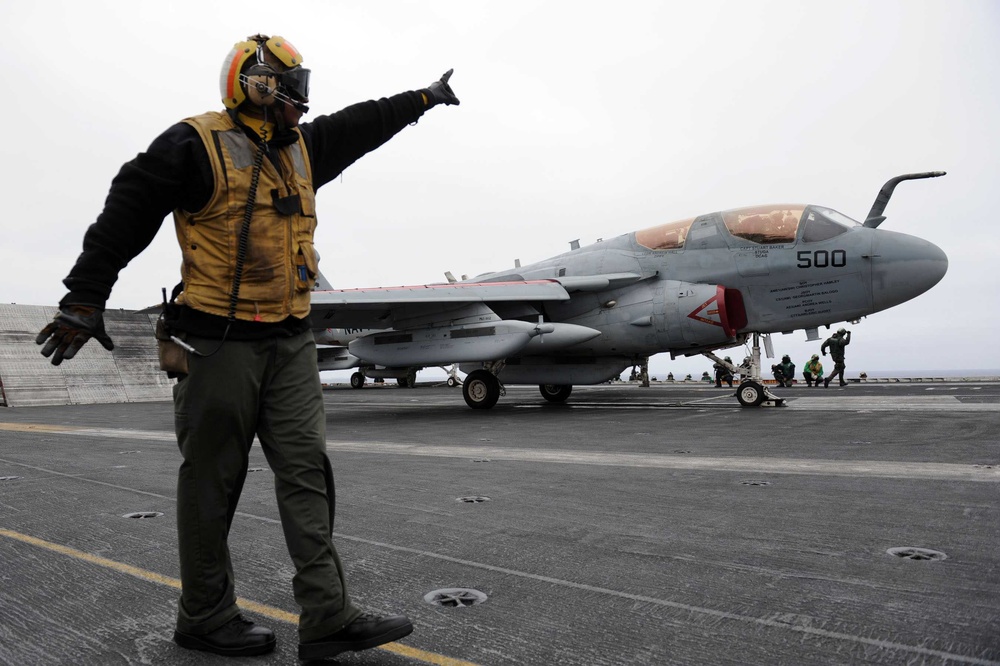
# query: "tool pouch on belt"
[173,357]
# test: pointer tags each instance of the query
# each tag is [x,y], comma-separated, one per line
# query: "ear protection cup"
[230,85]
[261,82]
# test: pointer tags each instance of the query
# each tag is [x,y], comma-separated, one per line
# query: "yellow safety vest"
[281,265]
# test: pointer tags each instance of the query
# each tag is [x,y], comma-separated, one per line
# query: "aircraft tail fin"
[322,284]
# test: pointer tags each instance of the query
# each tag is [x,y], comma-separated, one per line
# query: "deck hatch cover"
[455,597]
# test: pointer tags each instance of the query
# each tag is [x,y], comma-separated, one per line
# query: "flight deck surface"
[629,525]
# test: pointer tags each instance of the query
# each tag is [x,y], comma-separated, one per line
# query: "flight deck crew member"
[246,356]
[723,373]
[836,344]
[784,372]
[813,371]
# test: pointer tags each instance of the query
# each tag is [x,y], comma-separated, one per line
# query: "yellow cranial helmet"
[236,76]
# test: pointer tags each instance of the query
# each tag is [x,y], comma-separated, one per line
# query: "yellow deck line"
[245,604]
[37,427]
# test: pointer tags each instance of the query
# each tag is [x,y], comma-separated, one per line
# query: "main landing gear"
[555,392]
[481,389]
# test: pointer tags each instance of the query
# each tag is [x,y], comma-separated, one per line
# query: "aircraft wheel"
[411,379]
[555,392]
[452,382]
[750,394]
[403,382]
[481,389]
[357,380]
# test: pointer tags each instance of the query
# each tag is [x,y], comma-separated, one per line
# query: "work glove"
[441,92]
[72,327]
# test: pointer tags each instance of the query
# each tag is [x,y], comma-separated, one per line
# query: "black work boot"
[236,638]
[367,631]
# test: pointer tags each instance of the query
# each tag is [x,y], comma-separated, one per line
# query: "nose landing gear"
[751,394]
[751,391]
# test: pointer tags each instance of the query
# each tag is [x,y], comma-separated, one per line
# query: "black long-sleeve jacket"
[175,172]
[836,344]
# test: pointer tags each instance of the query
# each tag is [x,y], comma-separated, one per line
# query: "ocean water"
[436,374]
[987,372]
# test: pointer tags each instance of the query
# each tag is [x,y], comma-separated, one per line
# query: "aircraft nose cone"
[904,267]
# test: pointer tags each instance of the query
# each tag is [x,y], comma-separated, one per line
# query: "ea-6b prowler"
[689,287]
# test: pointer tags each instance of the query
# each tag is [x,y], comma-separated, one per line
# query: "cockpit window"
[670,236]
[766,225]
[824,223]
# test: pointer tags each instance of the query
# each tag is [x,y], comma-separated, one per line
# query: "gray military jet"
[689,287]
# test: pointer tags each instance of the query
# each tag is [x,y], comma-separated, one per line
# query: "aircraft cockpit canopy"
[669,236]
[774,224]
[825,223]
[765,225]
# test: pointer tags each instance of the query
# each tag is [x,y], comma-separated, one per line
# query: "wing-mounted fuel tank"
[696,314]
[489,341]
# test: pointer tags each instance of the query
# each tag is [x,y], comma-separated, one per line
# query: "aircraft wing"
[409,306]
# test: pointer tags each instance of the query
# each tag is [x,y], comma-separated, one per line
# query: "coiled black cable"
[241,248]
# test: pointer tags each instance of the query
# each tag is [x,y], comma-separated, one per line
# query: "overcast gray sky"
[579,119]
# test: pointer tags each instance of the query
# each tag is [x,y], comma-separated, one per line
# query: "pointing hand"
[441,92]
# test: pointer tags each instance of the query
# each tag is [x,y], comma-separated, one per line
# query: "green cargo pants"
[270,388]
